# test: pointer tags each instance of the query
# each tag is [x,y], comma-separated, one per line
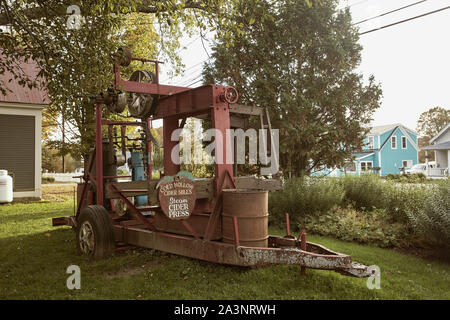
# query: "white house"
[441,147]
[20,132]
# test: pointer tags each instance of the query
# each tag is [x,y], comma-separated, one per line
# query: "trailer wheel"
[94,233]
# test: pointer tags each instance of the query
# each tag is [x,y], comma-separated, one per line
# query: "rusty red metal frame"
[288,225]
[86,183]
[179,103]
[131,206]
[140,87]
[99,154]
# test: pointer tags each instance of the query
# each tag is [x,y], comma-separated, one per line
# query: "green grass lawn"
[34,257]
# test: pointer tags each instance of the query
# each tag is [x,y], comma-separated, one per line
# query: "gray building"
[20,132]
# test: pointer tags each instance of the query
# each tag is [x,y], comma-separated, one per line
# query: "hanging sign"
[177,196]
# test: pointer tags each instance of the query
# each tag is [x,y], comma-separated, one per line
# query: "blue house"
[387,149]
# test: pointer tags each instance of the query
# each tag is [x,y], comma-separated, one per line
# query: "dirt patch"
[57,193]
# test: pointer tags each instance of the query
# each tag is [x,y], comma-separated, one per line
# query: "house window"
[404,142]
[366,165]
[370,143]
[407,164]
[394,142]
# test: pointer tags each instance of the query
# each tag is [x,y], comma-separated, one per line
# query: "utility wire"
[357,3]
[191,84]
[406,20]
[392,11]
[184,82]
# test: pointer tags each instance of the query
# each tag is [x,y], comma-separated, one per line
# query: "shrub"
[366,192]
[432,219]
[399,199]
[302,197]
[47,179]
[363,227]
[408,178]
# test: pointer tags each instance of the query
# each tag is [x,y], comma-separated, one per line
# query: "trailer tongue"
[222,220]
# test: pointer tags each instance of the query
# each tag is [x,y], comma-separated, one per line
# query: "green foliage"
[363,227]
[370,192]
[47,179]
[365,192]
[407,178]
[366,209]
[303,197]
[299,60]
[430,123]
[34,257]
[77,63]
[432,219]
[399,199]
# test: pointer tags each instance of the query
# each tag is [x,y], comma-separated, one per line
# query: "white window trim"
[36,112]
[406,142]
[395,138]
[366,162]
[407,164]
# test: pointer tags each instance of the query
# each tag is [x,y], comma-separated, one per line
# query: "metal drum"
[250,207]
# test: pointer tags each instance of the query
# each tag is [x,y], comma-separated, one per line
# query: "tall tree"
[74,48]
[299,59]
[430,123]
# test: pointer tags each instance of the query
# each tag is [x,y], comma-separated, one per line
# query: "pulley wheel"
[141,105]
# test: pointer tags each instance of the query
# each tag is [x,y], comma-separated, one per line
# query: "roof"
[15,93]
[378,130]
[440,133]
[439,146]
[360,155]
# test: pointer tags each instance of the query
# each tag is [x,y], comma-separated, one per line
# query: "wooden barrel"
[250,207]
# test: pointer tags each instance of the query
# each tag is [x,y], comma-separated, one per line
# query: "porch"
[442,155]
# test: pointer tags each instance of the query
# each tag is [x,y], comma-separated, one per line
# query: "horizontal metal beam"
[229,253]
[148,88]
[194,101]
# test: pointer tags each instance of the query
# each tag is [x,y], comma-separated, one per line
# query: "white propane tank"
[6,187]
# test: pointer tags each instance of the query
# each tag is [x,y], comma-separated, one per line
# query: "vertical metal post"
[123,133]
[288,225]
[149,151]
[157,72]
[149,155]
[99,153]
[221,121]
[303,247]
[170,124]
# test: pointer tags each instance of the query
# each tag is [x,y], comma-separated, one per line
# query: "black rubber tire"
[98,218]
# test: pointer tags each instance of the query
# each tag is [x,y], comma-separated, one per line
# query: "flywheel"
[141,105]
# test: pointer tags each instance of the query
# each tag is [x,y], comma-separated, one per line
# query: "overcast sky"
[410,60]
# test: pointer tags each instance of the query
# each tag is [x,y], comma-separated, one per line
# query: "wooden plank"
[204,187]
[128,185]
[250,182]
[249,110]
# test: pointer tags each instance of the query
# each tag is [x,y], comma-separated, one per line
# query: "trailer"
[223,219]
